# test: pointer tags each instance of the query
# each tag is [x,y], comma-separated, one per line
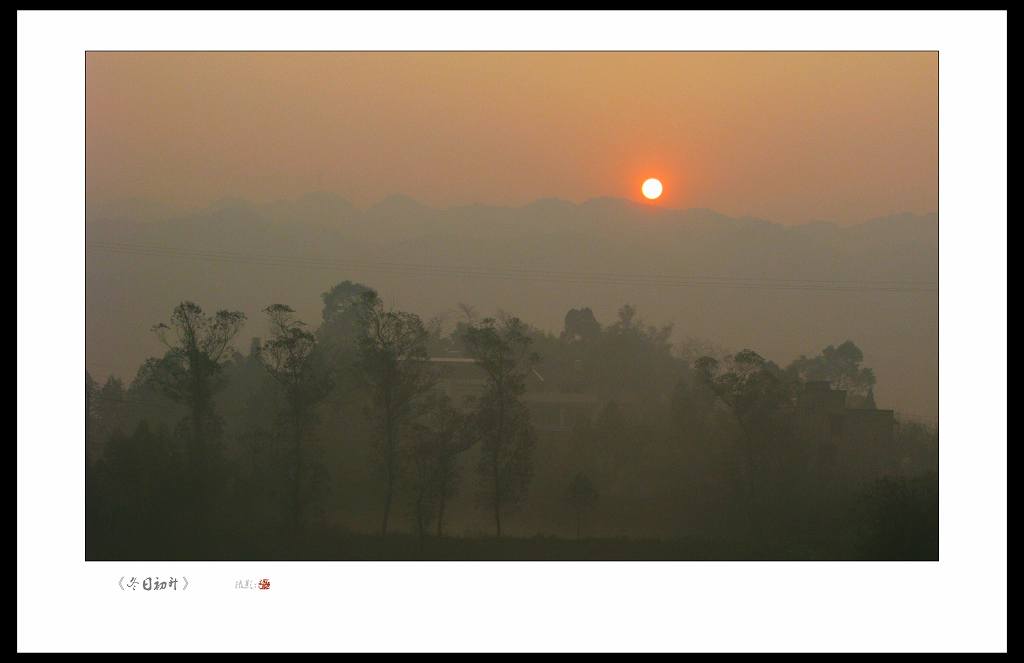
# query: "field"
[338,545]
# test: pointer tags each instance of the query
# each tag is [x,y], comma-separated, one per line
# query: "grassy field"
[338,545]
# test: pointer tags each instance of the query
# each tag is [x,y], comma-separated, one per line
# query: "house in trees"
[560,411]
[462,379]
[856,444]
[459,377]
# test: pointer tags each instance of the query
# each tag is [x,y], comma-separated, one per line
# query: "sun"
[652,188]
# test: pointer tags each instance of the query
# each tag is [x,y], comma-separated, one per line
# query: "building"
[858,444]
[459,377]
[463,380]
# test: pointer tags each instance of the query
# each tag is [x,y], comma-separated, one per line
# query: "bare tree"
[395,371]
[437,323]
[694,347]
[454,436]
[469,312]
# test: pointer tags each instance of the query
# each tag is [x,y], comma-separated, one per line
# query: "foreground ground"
[336,545]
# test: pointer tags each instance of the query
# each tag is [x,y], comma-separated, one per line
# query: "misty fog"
[653,329]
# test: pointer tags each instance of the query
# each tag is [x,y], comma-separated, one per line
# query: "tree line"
[207,439]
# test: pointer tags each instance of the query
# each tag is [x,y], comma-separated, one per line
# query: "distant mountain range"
[731,279]
[901,247]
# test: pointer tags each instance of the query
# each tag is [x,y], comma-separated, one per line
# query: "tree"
[111,405]
[839,366]
[598,449]
[469,312]
[465,317]
[90,394]
[340,313]
[636,358]
[501,420]
[394,368]
[433,476]
[292,357]
[918,445]
[753,393]
[449,436]
[691,415]
[580,325]
[580,495]
[190,373]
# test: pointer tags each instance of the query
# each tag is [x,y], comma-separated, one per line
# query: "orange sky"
[790,137]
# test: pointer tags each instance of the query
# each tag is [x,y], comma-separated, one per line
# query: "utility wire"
[520,274]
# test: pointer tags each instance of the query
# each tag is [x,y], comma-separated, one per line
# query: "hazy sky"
[791,137]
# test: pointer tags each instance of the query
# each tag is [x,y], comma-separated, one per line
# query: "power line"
[471,271]
[520,274]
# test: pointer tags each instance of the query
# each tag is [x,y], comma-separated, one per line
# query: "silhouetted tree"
[465,317]
[693,348]
[421,478]
[111,407]
[580,495]
[917,442]
[394,368]
[580,325]
[839,366]
[148,400]
[90,424]
[190,373]
[256,473]
[692,427]
[469,312]
[753,394]
[133,491]
[437,344]
[501,420]
[291,355]
[439,437]
[637,358]
[433,477]
[340,326]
